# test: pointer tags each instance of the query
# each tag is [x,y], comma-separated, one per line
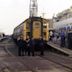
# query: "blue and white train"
[64,24]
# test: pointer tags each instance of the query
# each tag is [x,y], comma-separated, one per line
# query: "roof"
[35,18]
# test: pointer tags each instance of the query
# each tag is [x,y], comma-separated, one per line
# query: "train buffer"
[63,50]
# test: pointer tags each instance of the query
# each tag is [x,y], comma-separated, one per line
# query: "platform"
[61,49]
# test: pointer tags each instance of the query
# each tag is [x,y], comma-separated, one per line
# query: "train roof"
[35,18]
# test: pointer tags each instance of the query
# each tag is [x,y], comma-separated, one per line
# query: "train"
[66,26]
[32,27]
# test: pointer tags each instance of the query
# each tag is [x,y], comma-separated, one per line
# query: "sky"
[13,12]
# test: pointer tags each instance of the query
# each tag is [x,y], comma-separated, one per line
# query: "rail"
[6,46]
[58,59]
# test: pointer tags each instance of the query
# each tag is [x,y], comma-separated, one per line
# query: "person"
[62,38]
[51,35]
[31,47]
[24,47]
[41,46]
[21,46]
[27,46]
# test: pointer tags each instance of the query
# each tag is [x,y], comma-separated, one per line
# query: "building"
[63,20]
[63,15]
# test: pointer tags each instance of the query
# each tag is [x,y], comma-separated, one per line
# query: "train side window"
[28,33]
[36,24]
[44,33]
[44,26]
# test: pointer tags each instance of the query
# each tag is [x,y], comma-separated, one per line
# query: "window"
[28,33]
[44,26]
[44,33]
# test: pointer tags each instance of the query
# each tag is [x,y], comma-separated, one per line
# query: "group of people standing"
[28,46]
[55,36]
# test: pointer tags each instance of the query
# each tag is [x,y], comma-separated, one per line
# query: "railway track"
[59,59]
[48,63]
[51,58]
[4,50]
[42,64]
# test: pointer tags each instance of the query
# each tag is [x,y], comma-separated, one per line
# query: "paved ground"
[38,64]
[28,63]
[14,63]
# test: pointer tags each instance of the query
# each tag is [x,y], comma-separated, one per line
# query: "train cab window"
[36,24]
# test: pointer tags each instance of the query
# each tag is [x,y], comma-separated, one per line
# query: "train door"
[36,29]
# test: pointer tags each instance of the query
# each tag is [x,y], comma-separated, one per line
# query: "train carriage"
[65,26]
[35,27]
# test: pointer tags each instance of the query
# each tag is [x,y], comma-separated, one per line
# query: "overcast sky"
[13,12]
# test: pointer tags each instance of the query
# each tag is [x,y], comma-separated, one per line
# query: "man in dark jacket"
[31,47]
[22,46]
[62,39]
[41,46]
